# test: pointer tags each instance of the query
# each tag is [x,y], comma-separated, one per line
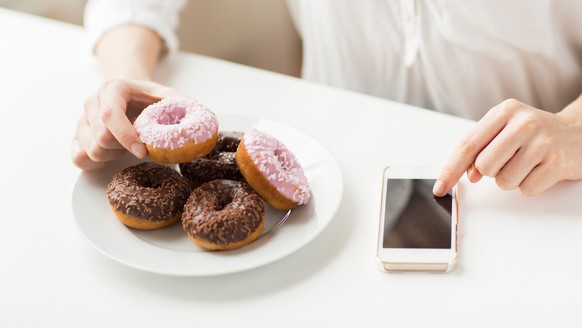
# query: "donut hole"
[222,201]
[173,116]
[149,183]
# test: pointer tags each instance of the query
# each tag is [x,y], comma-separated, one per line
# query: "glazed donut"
[272,170]
[223,215]
[219,164]
[148,196]
[177,130]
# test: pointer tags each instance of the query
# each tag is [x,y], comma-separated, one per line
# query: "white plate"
[169,251]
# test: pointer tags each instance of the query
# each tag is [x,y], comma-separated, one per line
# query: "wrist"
[127,74]
[128,52]
[573,112]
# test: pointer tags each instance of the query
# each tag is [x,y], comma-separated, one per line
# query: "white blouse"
[162,16]
[457,57]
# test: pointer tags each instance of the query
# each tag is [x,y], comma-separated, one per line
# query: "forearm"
[128,52]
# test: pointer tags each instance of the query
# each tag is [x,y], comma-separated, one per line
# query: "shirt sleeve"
[161,16]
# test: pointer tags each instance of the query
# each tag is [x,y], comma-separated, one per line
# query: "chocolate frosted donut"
[223,214]
[219,164]
[227,142]
[148,196]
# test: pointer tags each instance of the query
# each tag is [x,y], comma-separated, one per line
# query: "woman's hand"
[105,131]
[521,147]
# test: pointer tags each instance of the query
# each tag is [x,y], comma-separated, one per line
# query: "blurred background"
[258,33]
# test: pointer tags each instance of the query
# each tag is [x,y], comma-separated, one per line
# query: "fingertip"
[138,150]
[439,189]
[80,158]
[75,146]
[473,174]
[77,153]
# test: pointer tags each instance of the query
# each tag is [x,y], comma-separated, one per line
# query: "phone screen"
[414,217]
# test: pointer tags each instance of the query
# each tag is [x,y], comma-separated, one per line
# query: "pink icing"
[173,122]
[278,164]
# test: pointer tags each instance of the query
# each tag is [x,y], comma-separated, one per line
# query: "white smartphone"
[418,231]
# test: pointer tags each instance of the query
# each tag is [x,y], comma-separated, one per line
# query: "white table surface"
[520,259]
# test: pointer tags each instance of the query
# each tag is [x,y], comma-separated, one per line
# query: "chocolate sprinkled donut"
[148,195]
[227,142]
[223,214]
[219,164]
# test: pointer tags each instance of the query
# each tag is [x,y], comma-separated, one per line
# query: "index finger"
[113,99]
[465,153]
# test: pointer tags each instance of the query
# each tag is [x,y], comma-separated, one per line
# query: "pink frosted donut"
[177,130]
[272,170]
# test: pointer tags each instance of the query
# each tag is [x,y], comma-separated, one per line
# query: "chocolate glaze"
[219,164]
[227,142]
[223,211]
[148,191]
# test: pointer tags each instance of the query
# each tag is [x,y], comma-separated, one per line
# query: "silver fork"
[276,226]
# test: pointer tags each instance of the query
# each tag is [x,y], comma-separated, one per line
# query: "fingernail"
[138,150]
[439,188]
